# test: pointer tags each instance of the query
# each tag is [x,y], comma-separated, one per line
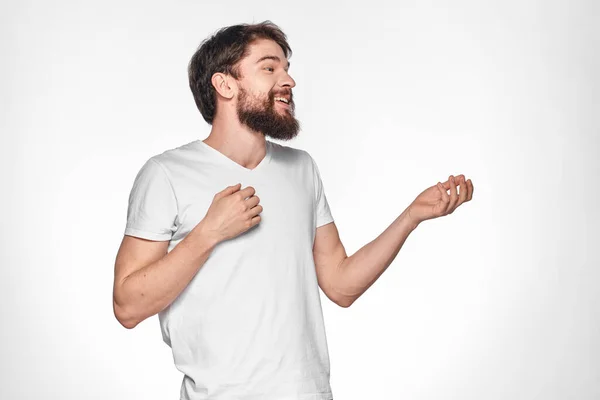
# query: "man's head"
[243,70]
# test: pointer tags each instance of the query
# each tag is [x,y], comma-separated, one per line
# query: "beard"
[260,116]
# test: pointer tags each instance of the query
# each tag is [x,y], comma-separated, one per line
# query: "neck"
[239,143]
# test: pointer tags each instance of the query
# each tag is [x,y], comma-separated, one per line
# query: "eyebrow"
[274,58]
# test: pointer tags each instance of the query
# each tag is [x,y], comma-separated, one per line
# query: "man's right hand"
[232,212]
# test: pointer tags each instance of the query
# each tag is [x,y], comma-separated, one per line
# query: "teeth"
[282,99]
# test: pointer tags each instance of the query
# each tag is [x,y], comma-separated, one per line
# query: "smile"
[283,104]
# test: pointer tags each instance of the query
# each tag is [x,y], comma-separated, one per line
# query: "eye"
[270,69]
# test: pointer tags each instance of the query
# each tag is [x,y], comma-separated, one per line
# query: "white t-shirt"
[249,325]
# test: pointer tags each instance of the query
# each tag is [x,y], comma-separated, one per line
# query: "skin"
[228,135]
[148,278]
[342,278]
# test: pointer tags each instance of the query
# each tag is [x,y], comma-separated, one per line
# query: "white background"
[499,300]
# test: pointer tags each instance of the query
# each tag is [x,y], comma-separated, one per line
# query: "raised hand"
[435,202]
[232,212]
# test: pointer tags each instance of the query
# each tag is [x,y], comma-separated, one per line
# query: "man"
[228,239]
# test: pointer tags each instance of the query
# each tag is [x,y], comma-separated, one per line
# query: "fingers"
[255,220]
[252,201]
[445,197]
[470,190]
[462,196]
[254,211]
[453,195]
[247,192]
[228,190]
[465,186]
[243,194]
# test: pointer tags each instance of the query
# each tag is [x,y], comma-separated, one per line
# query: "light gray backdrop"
[497,301]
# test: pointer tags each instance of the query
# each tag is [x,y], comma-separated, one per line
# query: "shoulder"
[291,154]
[171,158]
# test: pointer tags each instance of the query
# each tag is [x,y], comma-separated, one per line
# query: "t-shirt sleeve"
[322,210]
[152,208]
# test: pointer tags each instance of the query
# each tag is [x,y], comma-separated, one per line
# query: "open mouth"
[282,100]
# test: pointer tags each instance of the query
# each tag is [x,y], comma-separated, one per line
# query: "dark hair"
[221,53]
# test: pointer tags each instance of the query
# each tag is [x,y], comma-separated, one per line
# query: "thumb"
[229,190]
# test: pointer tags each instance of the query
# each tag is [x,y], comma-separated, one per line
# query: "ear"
[223,84]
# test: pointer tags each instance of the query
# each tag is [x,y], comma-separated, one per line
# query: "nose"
[287,81]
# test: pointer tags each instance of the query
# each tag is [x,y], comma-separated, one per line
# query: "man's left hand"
[435,202]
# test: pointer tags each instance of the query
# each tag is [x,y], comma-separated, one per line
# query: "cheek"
[267,97]
[262,89]
[261,94]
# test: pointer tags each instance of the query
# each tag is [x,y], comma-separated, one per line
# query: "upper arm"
[151,221]
[329,253]
[134,254]
[152,208]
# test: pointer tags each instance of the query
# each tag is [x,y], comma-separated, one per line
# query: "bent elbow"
[345,302]
[124,318]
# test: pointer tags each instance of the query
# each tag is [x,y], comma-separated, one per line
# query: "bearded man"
[228,239]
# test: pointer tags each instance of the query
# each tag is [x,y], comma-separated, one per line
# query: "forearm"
[151,289]
[358,272]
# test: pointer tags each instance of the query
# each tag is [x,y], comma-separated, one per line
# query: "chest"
[286,195]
